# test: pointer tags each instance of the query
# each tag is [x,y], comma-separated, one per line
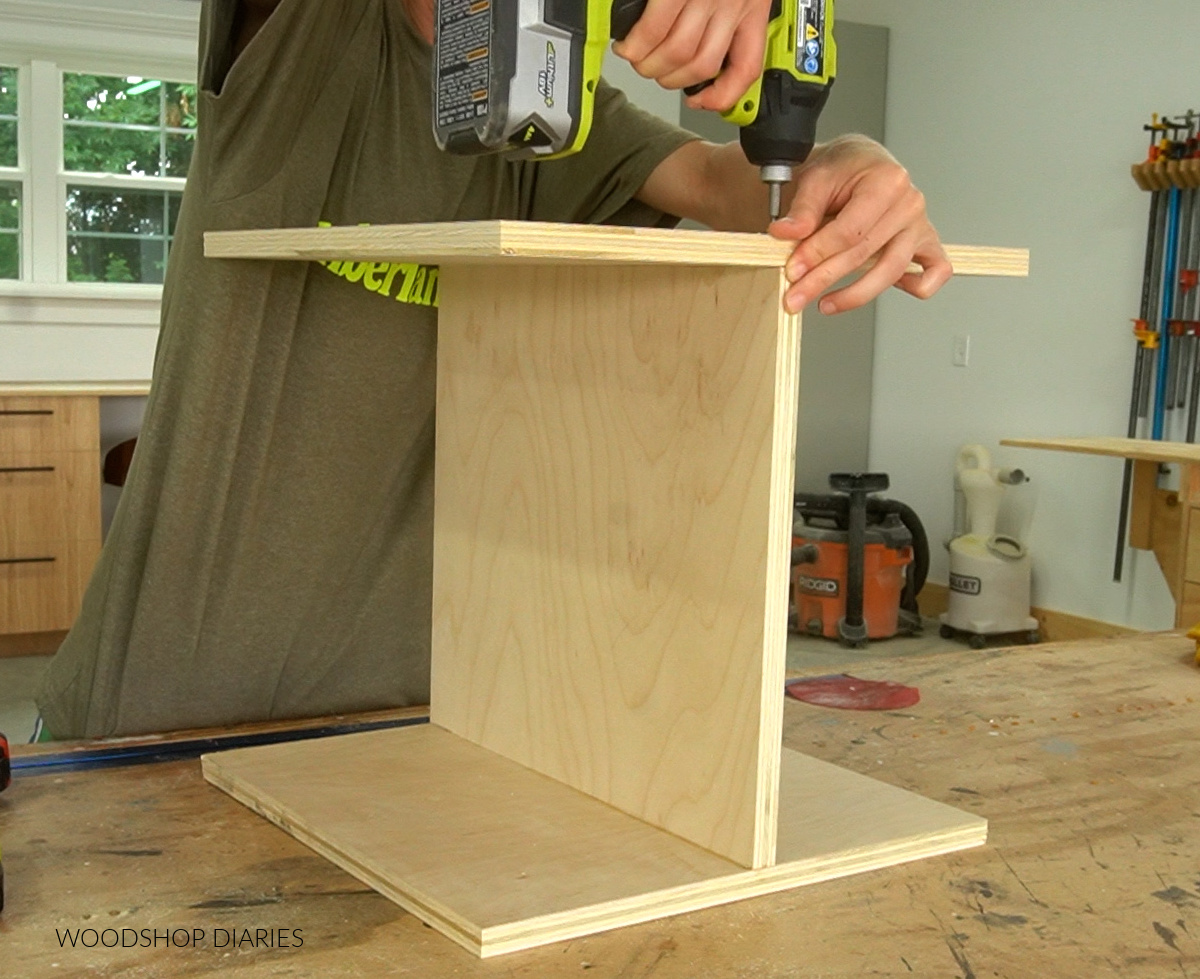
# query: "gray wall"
[837,353]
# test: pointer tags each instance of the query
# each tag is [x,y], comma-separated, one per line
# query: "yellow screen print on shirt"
[405,282]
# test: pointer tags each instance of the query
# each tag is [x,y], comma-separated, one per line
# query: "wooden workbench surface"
[1083,756]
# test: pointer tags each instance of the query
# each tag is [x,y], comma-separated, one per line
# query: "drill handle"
[626,13]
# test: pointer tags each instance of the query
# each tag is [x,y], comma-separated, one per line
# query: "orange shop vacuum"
[858,562]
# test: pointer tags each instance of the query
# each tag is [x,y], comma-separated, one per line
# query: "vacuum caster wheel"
[977,642]
[946,632]
[1033,637]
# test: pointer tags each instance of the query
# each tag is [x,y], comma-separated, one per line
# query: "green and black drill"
[520,76]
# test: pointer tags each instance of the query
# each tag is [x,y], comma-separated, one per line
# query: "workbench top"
[1082,756]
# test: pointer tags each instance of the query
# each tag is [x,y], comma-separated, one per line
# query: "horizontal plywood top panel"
[1119,448]
[73,389]
[478,242]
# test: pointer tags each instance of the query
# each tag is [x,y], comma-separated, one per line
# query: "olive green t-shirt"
[272,553]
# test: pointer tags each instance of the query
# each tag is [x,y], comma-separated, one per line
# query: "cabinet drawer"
[41,588]
[48,496]
[49,425]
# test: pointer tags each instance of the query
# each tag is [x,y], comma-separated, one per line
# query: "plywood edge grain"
[1121,448]
[780,519]
[475,242]
[716,891]
[73,389]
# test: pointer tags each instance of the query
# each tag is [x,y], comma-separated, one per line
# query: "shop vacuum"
[858,562]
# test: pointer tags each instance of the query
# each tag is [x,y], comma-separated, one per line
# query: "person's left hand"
[684,42]
[853,203]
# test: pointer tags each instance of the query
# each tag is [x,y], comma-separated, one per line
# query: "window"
[10,189]
[92,172]
[127,146]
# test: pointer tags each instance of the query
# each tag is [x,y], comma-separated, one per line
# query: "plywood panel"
[500,858]
[48,496]
[484,242]
[48,424]
[74,389]
[613,518]
[1120,448]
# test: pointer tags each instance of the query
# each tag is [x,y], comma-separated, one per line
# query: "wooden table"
[1162,521]
[1085,764]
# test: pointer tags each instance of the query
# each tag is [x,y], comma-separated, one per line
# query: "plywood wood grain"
[486,242]
[1121,448]
[612,531]
[500,858]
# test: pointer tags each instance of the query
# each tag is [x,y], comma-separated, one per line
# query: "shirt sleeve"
[598,185]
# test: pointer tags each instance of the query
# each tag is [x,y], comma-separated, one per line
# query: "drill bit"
[775,176]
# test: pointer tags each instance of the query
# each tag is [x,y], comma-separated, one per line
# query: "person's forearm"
[850,203]
[712,184]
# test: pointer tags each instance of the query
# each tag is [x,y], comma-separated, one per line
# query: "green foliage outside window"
[129,126]
[10,231]
[8,117]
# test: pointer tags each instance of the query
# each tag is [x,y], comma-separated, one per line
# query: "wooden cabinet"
[49,509]
[50,530]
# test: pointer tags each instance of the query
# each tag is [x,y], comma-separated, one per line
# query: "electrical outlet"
[962,350]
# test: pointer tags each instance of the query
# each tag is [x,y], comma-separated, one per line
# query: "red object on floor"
[850,693]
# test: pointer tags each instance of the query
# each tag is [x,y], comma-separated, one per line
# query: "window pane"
[127,125]
[119,236]
[8,91]
[10,207]
[10,255]
[179,154]
[116,259]
[8,117]
[102,150]
[105,98]
[95,211]
[10,231]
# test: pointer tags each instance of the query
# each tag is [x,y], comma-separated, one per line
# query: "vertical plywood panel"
[614,478]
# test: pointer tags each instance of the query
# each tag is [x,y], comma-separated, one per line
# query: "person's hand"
[853,203]
[684,42]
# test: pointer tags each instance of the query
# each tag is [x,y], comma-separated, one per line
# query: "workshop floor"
[20,676]
[809,656]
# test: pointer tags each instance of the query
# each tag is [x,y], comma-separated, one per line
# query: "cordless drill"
[506,82]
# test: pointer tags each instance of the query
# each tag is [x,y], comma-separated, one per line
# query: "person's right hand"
[679,43]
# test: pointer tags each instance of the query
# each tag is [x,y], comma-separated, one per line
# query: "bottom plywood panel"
[500,858]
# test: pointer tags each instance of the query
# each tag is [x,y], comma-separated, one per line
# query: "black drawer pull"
[35,411]
[27,560]
[26,469]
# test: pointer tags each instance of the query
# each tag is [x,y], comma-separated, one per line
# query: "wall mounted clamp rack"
[616,433]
